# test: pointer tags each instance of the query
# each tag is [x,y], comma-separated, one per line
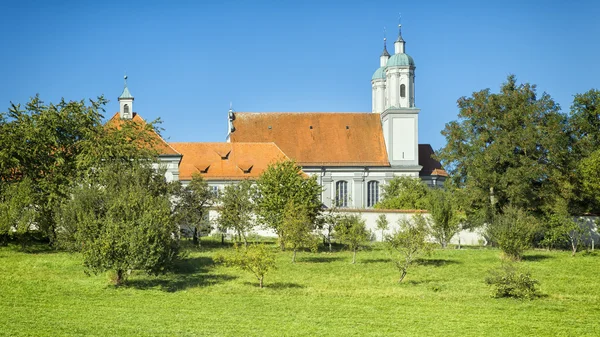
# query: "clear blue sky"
[186,60]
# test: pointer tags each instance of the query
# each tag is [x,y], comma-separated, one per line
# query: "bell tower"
[126,102]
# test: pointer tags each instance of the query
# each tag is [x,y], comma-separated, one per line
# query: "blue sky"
[187,60]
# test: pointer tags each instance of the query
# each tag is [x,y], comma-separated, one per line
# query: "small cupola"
[126,103]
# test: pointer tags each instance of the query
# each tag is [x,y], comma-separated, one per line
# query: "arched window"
[126,110]
[372,193]
[402,91]
[341,194]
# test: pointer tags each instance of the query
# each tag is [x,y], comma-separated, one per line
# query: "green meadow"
[47,293]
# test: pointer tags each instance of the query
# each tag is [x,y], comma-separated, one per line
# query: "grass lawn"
[48,294]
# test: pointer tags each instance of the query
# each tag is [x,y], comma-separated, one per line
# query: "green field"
[48,294]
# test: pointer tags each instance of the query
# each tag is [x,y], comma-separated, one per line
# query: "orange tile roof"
[162,146]
[226,161]
[317,138]
[431,167]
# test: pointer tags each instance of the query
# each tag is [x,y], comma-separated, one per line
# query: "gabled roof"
[317,138]
[431,167]
[163,148]
[243,160]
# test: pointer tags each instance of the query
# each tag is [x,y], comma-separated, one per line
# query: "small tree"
[352,231]
[513,231]
[18,211]
[278,184]
[509,280]
[120,220]
[326,222]
[404,193]
[408,243]
[382,225]
[445,221]
[236,209]
[191,208]
[297,229]
[257,259]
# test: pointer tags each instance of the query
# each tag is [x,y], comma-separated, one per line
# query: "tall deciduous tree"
[352,231]
[236,209]
[404,193]
[279,184]
[120,219]
[192,206]
[509,147]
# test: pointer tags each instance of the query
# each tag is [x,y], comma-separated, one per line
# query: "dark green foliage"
[280,183]
[256,259]
[120,220]
[409,243]
[509,280]
[191,208]
[236,209]
[513,145]
[513,231]
[18,211]
[352,231]
[404,193]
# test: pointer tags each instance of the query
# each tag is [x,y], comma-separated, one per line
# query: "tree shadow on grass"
[277,285]
[187,273]
[382,260]
[436,262]
[321,259]
[537,257]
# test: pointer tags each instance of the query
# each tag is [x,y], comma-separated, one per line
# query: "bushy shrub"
[257,259]
[513,231]
[509,280]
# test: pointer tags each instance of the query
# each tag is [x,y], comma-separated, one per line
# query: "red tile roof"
[161,145]
[316,138]
[226,161]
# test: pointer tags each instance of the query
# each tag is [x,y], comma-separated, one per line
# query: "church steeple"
[399,44]
[384,55]
[126,102]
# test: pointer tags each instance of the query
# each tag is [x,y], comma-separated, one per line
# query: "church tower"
[126,103]
[399,116]
[378,81]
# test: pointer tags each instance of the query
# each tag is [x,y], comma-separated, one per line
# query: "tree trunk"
[195,236]
[245,240]
[119,279]
[402,276]
[354,256]
[382,239]
[222,239]
[282,245]
[260,281]
[573,247]
[294,256]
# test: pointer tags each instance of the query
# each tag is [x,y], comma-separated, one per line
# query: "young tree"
[444,215]
[278,184]
[297,228]
[326,222]
[120,220]
[404,193]
[192,206]
[409,243]
[18,211]
[513,231]
[236,209]
[382,225]
[509,148]
[352,231]
[257,259]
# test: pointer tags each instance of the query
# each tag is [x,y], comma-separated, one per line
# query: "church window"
[372,193]
[215,191]
[341,194]
[402,90]
[126,110]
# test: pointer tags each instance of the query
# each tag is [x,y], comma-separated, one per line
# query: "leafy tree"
[507,148]
[237,208]
[18,211]
[257,259]
[120,219]
[52,144]
[404,193]
[278,184]
[444,215]
[352,231]
[409,243]
[513,231]
[326,222]
[584,121]
[382,224]
[297,228]
[192,206]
